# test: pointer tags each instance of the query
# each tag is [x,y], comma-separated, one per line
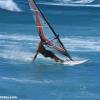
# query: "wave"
[73,43]
[72,5]
[19,37]
[26,57]
[24,81]
[76,1]
[17,55]
[9,5]
[83,1]
[13,48]
[79,44]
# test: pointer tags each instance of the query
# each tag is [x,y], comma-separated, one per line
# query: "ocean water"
[78,23]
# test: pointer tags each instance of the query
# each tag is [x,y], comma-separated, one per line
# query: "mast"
[66,52]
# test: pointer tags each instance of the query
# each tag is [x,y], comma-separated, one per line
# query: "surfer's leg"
[57,59]
[52,56]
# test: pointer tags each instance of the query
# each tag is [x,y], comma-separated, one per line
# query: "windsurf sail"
[47,34]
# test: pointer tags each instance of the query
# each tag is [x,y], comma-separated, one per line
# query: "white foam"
[28,80]
[83,1]
[21,51]
[72,4]
[76,1]
[19,37]
[72,43]
[9,5]
[16,55]
[80,44]
[63,1]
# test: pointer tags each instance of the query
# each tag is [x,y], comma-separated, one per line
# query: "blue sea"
[78,24]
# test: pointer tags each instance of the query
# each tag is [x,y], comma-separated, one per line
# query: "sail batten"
[45,30]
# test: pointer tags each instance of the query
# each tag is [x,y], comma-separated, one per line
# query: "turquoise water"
[78,26]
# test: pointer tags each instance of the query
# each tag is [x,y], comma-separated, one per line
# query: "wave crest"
[75,1]
[74,4]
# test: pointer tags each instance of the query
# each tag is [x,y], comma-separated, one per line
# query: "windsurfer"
[46,53]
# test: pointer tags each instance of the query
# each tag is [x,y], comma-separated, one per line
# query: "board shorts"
[48,53]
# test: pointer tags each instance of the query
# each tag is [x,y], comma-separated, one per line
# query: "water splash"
[14,48]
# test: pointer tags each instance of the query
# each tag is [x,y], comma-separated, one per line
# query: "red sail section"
[39,28]
[37,20]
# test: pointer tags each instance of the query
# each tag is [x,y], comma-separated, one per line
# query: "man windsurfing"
[46,53]
[44,30]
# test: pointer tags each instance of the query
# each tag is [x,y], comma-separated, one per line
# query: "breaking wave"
[87,43]
[76,1]
[83,1]
[11,47]
[79,44]
[9,5]
[17,37]
[16,55]
[72,4]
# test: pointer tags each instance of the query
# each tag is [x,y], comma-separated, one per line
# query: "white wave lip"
[76,1]
[72,4]
[9,5]
[83,1]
